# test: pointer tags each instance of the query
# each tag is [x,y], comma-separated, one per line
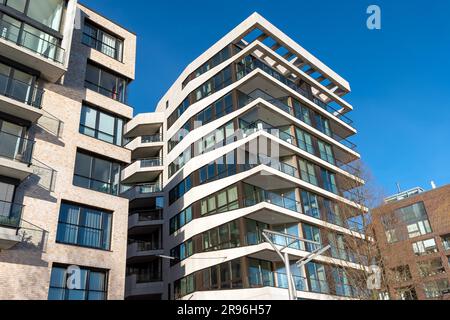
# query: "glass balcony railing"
[147,245]
[280,104]
[141,190]
[16,148]
[36,43]
[296,206]
[151,162]
[252,63]
[152,138]
[153,215]
[10,214]
[21,91]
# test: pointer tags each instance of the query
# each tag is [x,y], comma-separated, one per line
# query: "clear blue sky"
[399,75]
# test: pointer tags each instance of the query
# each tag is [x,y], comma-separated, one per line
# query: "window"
[93,284]
[96,174]
[311,233]
[106,83]
[425,247]
[182,252]
[323,124]
[84,227]
[19,85]
[13,145]
[332,212]
[102,126]
[430,268]
[223,237]
[342,283]
[416,219]
[402,274]
[446,242]
[180,190]
[301,112]
[225,200]
[307,172]
[326,152]
[304,141]
[329,181]
[317,278]
[49,13]
[180,220]
[10,213]
[407,294]
[102,41]
[436,289]
[310,204]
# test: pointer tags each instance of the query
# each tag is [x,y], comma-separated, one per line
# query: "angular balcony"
[32,51]
[15,156]
[141,191]
[20,99]
[142,221]
[142,170]
[10,221]
[142,249]
[145,146]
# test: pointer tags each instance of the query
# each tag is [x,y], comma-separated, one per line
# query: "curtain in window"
[68,227]
[108,45]
[90,232]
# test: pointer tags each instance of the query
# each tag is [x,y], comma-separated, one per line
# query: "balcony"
[145,146]
[20,99]
[144,220]
[10,221]
[141,191]
[142,170]
[32,51]
[15,156]
[250,64]
[143,249]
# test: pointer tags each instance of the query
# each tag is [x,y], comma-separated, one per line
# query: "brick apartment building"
[413,234]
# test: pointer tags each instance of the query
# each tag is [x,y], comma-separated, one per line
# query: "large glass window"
[96,174]
[323,124]
[48,12]
[425,247]
[84,227]
[310,204]
[311,233]
[106,83]
[100,125]
[102,41]
[326,152]
[223,237]
[307,172]
[90,284]
[329,181]
[317,277]
[301,112]
[436,289]
[416,219]
[304,141]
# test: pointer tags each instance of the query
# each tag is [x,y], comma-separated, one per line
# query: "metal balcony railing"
[21,91]
[30,41]
[10,214]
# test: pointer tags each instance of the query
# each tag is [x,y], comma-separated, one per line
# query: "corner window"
[102,41]
[100,125]
[84,227]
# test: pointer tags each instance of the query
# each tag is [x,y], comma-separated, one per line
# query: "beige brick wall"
[24,270]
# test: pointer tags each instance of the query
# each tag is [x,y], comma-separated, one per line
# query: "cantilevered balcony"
[145,220]
[249,63]
[20,99]
[145,146]
[10,217]
[142,191]
[32,50]
[142,170]
[15,156]
[141,249]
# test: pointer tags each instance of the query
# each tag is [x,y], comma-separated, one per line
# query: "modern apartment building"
[413,236]
[64,73]
[255,142]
